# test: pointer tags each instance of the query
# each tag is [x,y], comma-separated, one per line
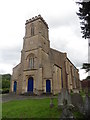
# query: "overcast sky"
[64,30]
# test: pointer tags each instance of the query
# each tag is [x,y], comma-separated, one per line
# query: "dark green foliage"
[5,82]
[6,76]
[86,66]
[78,115]
[84,16]
[88,77]
[82,93]
[5,90]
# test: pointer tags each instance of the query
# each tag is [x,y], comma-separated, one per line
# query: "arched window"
[31,62]
[32,29]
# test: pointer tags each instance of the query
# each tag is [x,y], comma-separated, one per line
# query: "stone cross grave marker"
[64,95]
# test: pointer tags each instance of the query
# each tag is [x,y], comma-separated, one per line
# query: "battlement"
[36,18]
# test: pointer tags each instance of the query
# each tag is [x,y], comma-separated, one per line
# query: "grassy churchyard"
[32,108]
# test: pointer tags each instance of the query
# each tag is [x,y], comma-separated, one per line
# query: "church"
[42,69]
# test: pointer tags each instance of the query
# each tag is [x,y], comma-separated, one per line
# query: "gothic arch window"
[32,29]
[31,62]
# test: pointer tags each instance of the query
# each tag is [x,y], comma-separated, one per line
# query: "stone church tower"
[42,69]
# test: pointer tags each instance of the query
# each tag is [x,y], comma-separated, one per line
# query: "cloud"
[86,0]
[9,58]
[70,42]
[5,68]
[10,55]
[64,29]
[82,73]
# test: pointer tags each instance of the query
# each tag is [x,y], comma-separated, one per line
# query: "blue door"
[48,86]
[30,84]
[15,86]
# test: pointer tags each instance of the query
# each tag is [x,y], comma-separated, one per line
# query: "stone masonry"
[42,69]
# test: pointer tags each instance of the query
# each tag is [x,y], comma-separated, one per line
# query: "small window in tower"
[32,29]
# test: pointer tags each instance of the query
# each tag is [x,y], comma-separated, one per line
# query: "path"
[9,97]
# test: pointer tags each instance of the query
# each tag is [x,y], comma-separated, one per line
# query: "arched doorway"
[15,86]
[30,84]
[48,86]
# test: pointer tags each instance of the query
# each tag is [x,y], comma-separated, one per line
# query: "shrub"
[5,90]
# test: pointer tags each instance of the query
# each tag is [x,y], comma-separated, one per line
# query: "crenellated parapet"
[36,18]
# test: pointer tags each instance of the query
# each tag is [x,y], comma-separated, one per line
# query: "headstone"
[77,101]
[51,102]
[87,106]
[64,95]
[59,100]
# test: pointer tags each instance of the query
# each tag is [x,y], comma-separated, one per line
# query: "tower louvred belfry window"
[32,29]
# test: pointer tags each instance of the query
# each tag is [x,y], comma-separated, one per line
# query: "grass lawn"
[32,108]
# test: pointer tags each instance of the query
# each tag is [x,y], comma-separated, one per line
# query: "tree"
[5,81]
[84,16]
[86,66]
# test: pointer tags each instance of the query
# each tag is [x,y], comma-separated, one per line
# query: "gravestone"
[64,95]
[87,106]
[51,102]
[77,101]
[59,100]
